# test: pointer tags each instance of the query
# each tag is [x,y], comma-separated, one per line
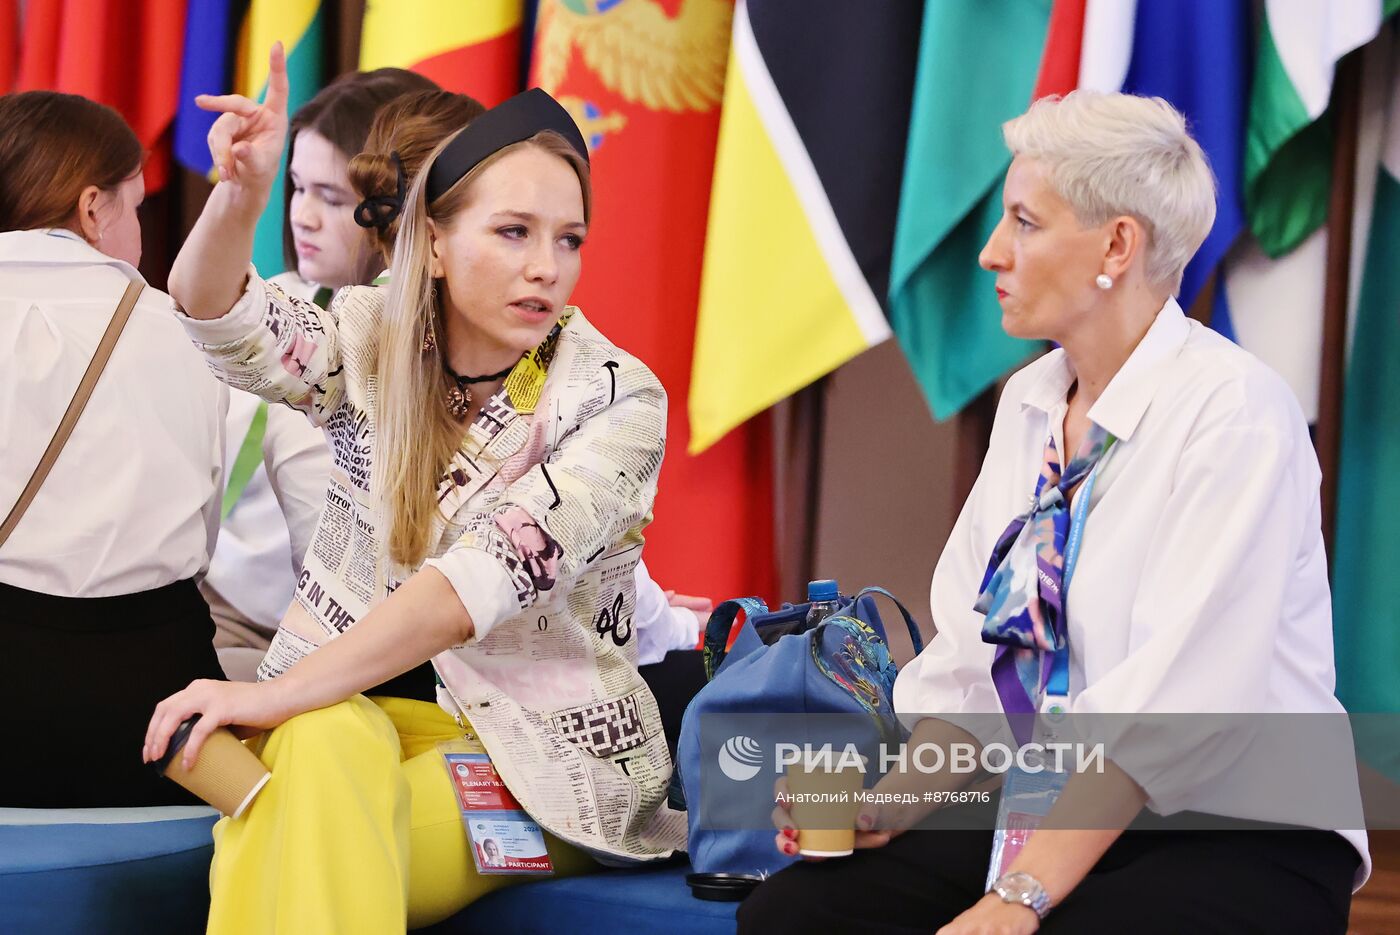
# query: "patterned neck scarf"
[1022,593]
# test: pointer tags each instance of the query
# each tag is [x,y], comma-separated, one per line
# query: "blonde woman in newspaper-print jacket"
[549,680]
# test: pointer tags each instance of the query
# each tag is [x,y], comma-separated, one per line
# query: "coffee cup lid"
[722,887]
[176,744]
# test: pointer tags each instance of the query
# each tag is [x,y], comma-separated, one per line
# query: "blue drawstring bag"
[842,666]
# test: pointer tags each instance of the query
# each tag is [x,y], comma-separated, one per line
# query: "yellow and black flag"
[806,191]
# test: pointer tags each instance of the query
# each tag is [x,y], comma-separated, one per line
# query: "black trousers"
[79,678]
[1150,882]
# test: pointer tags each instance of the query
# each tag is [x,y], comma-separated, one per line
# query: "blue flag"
[210,36]
[1197,54]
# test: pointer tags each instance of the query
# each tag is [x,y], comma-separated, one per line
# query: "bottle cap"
[823,589]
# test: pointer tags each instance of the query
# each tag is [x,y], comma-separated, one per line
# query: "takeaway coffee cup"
[825,804]
[227,774]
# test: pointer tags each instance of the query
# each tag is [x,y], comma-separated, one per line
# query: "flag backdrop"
[806,189]
[472,48]
[1366,551]
[1276,275]
[644,80]
[1288,158]
[1064,47]
[1196,54]
[123,54]
[297,23]
[211,35]
[977,69]
[9,44]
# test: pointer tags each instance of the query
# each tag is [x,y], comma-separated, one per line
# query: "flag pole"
[1340,209]
[799,430]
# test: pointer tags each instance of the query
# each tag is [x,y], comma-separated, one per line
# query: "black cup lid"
[176,744]
[722,887]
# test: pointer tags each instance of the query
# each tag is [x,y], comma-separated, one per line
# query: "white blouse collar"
[1124,401]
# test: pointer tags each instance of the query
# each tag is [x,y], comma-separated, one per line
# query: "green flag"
[977,68]
[299,25]
[1288,150]
[1366,551]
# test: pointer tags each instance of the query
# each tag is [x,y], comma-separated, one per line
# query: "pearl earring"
[1104,281]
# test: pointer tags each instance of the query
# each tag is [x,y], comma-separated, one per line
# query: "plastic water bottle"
[824,598]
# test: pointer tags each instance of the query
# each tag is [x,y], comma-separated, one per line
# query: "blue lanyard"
[1059,671]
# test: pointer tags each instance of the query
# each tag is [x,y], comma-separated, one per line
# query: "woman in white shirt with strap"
[1191,502]
[99,609]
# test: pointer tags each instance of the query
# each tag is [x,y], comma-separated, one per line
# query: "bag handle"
[720,623]
[914,636]
[75,407]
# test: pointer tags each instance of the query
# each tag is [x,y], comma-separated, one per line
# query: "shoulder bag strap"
[75,407]
[915,638]
[720,623]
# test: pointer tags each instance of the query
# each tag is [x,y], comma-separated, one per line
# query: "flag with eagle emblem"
[644,79]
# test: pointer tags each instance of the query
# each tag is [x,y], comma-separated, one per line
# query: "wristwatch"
[1024,889]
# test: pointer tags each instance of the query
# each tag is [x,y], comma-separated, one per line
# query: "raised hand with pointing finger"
[246,140]
[246,145]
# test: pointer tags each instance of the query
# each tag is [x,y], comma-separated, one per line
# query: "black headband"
[515,120]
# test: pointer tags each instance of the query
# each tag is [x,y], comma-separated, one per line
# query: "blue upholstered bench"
[135,871]
[109,870]
[615,901]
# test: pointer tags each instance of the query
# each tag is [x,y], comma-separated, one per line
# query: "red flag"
[644,79]
[9,44]
[1059,65]
[123,54]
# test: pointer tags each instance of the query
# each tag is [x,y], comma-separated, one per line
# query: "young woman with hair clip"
[487,530]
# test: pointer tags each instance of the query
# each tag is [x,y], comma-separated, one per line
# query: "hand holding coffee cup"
[226,774]
[818,804]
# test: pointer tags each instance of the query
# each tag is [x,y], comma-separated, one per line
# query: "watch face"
[1024,889]
[1019,886]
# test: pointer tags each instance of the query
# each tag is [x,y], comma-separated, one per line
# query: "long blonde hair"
[416,437]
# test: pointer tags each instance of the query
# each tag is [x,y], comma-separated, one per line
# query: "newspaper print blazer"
[539,529]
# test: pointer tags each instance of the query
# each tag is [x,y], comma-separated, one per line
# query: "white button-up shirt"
[261,543]
[1201,585]
[265,535]
[132,503]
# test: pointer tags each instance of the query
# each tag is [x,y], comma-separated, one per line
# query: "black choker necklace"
[459,397]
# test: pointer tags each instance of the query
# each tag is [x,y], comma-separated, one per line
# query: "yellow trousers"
[357,831]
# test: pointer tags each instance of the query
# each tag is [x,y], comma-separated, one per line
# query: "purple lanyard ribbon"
[1023,591]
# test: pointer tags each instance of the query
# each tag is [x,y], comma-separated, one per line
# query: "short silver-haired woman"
[1188,521]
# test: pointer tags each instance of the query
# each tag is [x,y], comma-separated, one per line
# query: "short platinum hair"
[1111,154]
